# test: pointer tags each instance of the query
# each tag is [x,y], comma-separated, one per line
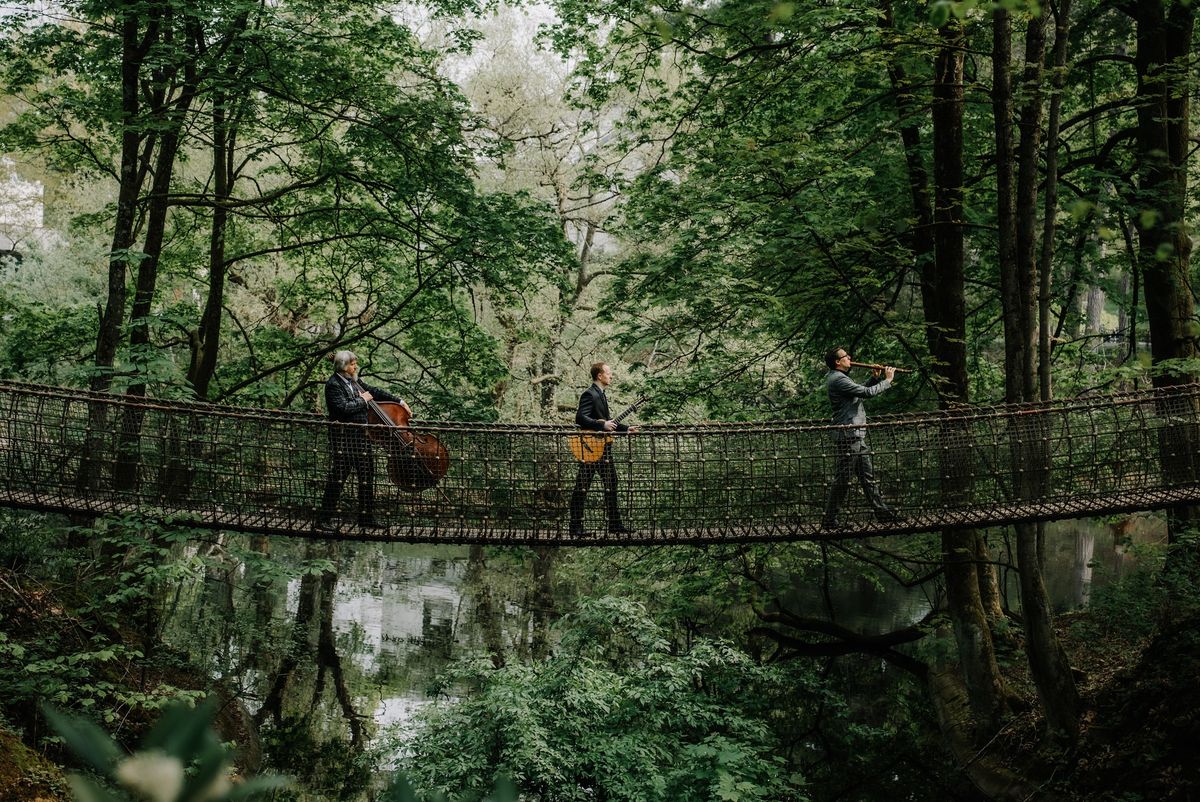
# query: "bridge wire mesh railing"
[264,471]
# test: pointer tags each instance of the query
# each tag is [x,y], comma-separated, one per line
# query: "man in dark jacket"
[853,457]
[346,400]
[593,415]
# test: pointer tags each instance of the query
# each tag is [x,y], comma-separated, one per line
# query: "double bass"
[416,461]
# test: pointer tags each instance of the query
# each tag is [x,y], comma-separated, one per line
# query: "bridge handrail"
[963,414]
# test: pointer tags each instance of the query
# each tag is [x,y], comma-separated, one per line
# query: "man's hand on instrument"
[889,372]
[365,396]
[609,426]
[632,429]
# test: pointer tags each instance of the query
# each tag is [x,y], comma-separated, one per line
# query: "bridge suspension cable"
[263,471]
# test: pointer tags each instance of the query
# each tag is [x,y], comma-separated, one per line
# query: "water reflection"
[1079,556]
[343,640]
[1085,554]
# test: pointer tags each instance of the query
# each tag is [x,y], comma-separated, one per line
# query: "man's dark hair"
[831,356]
[597,369]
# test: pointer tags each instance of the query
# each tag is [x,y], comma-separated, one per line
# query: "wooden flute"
[878,367]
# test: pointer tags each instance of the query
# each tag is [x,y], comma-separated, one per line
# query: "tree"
[314,162]
[1018,250]
[615,713]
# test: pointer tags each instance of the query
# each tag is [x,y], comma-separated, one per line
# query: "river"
[353,637]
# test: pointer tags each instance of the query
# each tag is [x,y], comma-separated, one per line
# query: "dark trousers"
[853,458]
[349,453]
[583,480]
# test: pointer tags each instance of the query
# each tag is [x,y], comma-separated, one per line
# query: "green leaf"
[259,785]
[504,790]
[84,790]
[400,790]
[782,12]
[665,32]
[181,731]
[939,13]
[85,739]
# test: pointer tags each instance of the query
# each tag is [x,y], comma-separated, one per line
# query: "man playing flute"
[853,457]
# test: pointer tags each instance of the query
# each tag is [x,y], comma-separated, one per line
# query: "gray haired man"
[346,401]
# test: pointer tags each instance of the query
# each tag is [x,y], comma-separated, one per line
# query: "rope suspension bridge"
[263,471]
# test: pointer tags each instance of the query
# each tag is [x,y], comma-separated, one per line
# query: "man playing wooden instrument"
[593,415]
[346,400]
[853,457]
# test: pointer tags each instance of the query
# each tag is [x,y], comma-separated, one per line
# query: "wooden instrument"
[879,367]
[415,461]
[589,446]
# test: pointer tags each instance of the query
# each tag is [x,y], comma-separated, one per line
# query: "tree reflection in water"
[327,644]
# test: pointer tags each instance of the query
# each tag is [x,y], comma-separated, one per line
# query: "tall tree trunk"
[174,113]
[207,337]
[133,50]
[1048,663]
[936,240]
[1021,340]
[1006,214]
[108,336]
[125,472]
[229,102]
[543,600]
[1164,247]
[1166,81]
[1062,29]
[942,289]
[989,584]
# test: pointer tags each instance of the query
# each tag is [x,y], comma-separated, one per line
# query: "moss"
[26,776]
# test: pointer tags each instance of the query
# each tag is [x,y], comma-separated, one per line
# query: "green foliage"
[42,342]
[79,635]
[1131,608]
[401,791]
[616,713]
[330,768]
[355,221]
[180,760]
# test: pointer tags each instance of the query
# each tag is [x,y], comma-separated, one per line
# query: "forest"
[204,200]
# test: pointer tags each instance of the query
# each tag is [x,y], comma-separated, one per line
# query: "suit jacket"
[344,404]
[846,397]
[593,410]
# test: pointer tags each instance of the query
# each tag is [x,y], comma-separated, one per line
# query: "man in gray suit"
[853,457]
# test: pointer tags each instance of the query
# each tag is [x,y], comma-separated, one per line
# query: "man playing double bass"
[346,401]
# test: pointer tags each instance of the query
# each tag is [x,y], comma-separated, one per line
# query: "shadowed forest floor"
[1140,703]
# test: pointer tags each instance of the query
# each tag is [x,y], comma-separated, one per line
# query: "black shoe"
[888,516]
[325,525]
[831,523]
[621,529]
